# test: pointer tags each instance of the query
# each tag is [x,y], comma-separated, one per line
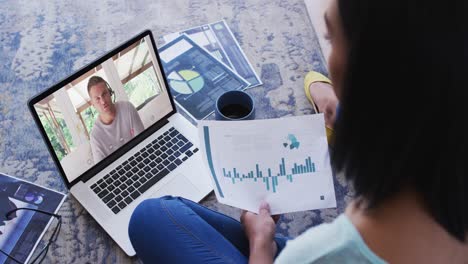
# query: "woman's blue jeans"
[177,230]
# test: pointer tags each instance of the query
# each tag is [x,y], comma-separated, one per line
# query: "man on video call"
[117,123]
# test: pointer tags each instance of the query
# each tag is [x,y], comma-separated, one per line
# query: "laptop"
[115,135]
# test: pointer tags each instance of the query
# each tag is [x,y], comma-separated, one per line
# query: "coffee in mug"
[234,105]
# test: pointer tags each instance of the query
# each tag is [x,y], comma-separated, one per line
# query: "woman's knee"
[148,212]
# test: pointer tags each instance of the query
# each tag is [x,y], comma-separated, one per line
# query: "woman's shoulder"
[331,242]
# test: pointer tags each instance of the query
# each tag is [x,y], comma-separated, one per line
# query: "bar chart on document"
[281,161]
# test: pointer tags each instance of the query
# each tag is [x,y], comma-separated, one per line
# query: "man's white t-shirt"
[105,139]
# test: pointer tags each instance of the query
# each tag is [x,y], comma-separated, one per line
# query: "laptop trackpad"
[179,186]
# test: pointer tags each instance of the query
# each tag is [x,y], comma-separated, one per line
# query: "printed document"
[195,77]
[283,161]
[218,39]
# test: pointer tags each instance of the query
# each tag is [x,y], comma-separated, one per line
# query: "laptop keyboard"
[137,174]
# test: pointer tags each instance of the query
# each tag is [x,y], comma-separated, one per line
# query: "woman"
[400,137]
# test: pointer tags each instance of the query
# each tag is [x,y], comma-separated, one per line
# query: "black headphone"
[98,79]
[111,92]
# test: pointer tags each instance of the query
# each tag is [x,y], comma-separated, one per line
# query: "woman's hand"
[260,230]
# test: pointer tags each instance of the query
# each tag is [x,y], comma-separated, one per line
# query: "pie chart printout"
[196,78]
[186,81]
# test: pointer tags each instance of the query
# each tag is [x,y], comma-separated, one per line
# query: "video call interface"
[105,108]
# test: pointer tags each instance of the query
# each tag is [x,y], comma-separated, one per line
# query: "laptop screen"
[104,107]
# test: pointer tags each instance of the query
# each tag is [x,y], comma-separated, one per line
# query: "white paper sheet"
[220,42]
[283,161]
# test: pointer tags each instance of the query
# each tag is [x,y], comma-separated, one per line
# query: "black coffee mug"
[234,105]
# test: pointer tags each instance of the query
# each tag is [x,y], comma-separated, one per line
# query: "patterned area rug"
[44,41]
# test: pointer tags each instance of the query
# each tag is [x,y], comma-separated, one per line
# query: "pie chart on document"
[186,81]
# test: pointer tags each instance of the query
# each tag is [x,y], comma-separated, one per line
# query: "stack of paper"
[203,62]
[22,231]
